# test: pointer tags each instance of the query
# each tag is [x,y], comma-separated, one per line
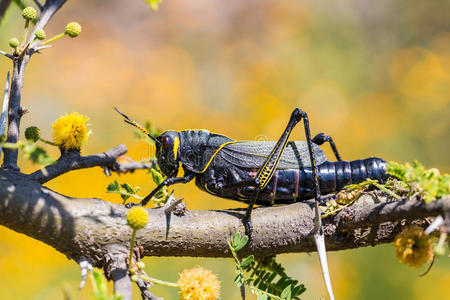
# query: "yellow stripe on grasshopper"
[215,153]
[176,145]
[265,174]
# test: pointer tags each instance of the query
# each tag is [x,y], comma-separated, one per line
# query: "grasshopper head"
[167,153]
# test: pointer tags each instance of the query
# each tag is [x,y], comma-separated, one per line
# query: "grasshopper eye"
[166,142]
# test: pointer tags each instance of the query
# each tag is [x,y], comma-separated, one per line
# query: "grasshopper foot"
[130,205]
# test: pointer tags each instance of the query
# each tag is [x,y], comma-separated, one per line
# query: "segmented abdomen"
[291,185]
[334,176]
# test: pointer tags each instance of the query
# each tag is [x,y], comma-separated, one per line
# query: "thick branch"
[353,217]
[73,161]
[86,228]
[116,269]
[14,112]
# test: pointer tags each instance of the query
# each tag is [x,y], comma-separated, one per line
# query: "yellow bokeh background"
[373,75]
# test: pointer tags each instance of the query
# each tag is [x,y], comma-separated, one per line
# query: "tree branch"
[132,166]
[71,160]
[6,54]
[86,228]
[18,77]
[116,269]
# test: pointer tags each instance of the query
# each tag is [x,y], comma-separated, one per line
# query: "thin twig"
[73,161]
[6,54]
[38,4]
[429,267]
[47,142]
[145,293]
[158,281]
[131,166]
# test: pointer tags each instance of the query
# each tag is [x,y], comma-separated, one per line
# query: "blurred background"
[373,75]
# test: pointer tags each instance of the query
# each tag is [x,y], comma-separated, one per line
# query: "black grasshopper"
[257,172]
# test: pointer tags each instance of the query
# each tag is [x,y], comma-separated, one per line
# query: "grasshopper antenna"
[133,123]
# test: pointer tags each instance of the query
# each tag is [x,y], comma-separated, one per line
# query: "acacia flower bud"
[32,133]
[14,43]
[29,13]
[73,29]
[40,34]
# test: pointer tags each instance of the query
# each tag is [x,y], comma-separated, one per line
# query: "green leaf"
[36,154]
[158,178]
[286,294]
[128,188]
[125,190]
[247,261]
[239,242]
[239,279]
[427,184]
[299,289]
[111,187]
[262,296]
[116,296]
[98,285]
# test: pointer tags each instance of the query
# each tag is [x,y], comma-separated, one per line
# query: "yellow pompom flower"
[413,246]
[137,217]
[198,284]
[70,131]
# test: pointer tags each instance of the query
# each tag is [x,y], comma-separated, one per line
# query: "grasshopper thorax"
[167,153]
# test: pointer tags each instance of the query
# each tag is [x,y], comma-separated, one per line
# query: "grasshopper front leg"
[169,181]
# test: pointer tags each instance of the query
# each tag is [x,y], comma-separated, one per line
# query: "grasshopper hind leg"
[322,138]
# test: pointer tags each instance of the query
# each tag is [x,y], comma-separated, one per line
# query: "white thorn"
[85,267]
[319,239]
[4,108]
[438,221]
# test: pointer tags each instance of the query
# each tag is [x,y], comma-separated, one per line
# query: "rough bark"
[88,228]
